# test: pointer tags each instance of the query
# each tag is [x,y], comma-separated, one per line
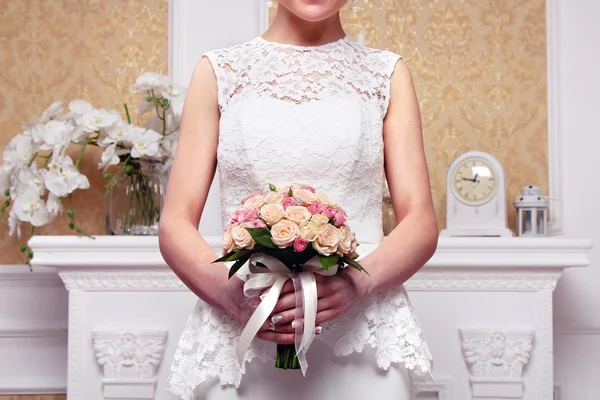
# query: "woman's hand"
[336,296]
[238,306]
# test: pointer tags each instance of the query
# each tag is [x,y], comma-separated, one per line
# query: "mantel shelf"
[142,252]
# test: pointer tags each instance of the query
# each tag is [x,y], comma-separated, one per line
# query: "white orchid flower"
[109,157]
[98,119]
[52,112]
[56,135]
[80,107]
[171,91]
[146,144]
[147,81]
[53,204]
[14,225]
[65,178]
[5,175]
[19,151]
[27,178]
[29,207]
[118,132]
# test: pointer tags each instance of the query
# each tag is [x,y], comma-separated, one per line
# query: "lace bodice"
[309,115]
[304,114]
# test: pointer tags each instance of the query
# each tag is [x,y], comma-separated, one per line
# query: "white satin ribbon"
[274,277]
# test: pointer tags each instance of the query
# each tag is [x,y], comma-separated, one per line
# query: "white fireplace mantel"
[472,294]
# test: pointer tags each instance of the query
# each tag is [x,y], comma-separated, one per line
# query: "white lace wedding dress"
[311,115]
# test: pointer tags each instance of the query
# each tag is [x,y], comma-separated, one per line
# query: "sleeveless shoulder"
[381,65]
[228,64]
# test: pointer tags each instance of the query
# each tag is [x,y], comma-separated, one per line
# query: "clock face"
[474,181]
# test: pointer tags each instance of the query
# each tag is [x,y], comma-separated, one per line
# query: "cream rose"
[297,214]
[272,213]
[241,237]
[255,201]
[284,233]
[305,195]
[228,244]
[327,240]
[320,219]
[325,200]
[273,198]
[346,237]
[309,230]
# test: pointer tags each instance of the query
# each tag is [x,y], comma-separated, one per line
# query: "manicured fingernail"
[277,319]
[293,324]
[262,296]
[318,329]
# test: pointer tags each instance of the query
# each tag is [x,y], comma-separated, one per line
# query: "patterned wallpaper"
[480,73]
[66,49]
[479,68]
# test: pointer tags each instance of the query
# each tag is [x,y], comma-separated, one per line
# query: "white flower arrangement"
[37,175]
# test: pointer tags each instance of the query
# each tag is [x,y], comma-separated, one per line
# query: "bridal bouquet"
[38,176]
[286,233]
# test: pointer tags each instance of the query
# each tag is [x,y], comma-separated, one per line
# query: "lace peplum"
[314,115]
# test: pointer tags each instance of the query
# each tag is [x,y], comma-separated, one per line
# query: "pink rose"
[300,245]
[339,218]
[308,187]
[256,223]
[316,208]
[288,201]
[329,212]
[244,215]
[236,216]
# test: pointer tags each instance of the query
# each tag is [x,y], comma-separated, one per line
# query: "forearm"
[407,248]
[191,257]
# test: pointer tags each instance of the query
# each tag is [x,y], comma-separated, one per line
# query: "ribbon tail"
[259,316]
[305,333]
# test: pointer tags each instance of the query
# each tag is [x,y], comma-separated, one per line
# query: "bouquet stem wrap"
[274,277]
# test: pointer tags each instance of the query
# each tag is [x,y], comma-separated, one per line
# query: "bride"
[303,103]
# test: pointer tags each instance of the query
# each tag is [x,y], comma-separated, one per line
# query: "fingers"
[288,287]
[326,316]
[287,316]
[285,334]
[285,302]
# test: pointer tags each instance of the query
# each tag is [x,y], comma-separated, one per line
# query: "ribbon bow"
[274,277]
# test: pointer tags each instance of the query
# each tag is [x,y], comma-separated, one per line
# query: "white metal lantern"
[532,212]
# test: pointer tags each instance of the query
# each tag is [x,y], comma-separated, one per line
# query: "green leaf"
[354,264]
[256,232]
[232,256]
[272,188]
[239,263]
[265,241]
[328,262]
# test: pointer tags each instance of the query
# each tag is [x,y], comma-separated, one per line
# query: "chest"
[314,135]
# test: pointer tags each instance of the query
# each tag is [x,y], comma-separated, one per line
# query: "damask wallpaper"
[66,49]
[479,68]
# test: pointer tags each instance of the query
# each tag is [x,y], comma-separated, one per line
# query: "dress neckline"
[341,40]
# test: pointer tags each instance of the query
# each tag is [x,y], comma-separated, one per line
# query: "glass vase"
[134,204]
